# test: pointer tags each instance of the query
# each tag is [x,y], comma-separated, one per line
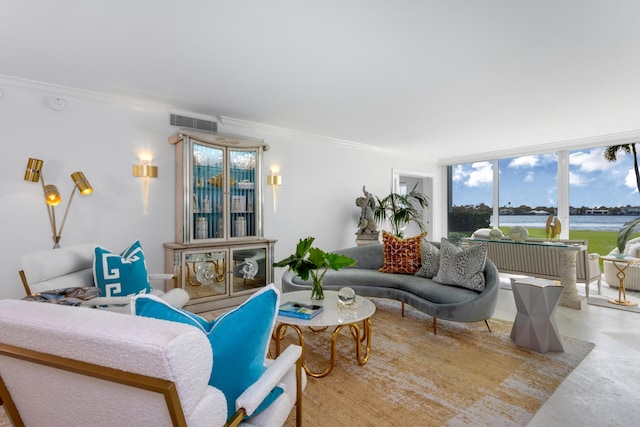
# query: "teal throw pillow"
[239,340]
[122,274]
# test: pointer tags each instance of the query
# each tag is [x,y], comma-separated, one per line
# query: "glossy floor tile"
[604,390]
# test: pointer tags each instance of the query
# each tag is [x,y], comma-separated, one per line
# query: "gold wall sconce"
[275,181]
[146,171]
[52,197]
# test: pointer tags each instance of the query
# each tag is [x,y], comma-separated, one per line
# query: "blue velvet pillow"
[239,339]
[122,274]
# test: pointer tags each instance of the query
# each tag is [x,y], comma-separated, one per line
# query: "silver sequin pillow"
[430,260]
[462,267]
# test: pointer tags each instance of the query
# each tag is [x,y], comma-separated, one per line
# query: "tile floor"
[604,390]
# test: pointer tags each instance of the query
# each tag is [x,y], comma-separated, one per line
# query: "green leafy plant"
[309,261]
[611,154]
[402,209]
[625,233]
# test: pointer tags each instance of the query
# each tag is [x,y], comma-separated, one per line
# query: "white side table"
[535,326]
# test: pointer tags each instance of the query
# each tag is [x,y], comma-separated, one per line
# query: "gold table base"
[622,265]
[359,336]
[623,302]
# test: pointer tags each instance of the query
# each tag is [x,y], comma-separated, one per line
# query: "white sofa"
[632,279]
[75,366]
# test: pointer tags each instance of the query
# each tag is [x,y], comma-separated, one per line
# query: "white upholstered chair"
[632,273]
[72,266]
[75,366]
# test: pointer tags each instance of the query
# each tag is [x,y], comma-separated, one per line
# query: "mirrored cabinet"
[220,255]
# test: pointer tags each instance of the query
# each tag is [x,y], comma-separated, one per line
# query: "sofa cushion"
[369,256]
[632,250]
[429,260]
[239,340]
[121,274]
[401,255]
[462,267]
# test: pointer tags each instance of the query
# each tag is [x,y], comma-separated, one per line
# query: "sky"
[531,180]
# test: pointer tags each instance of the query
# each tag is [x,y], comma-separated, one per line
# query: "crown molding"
[262,128]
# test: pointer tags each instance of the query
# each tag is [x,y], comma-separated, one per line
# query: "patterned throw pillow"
[462,267]
[401,255]
[119,275]
[430,260]
[239,340]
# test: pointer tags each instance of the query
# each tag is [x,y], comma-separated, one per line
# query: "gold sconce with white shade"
[146,171]
[275,181]
[52,198]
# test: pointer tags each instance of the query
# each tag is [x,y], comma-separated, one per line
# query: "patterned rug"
[464,376]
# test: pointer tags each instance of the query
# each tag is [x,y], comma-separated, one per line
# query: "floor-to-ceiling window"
[470,197]
[528,190]
[588,193]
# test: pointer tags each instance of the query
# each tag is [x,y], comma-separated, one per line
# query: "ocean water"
[577,222]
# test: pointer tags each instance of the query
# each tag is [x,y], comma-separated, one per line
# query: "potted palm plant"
[309,261]
[402,209]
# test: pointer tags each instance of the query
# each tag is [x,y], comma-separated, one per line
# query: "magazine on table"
[300,310]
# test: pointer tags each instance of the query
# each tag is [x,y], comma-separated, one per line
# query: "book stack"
[300,310]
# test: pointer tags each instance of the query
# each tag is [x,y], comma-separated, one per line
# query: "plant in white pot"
[402,209]
[309,261]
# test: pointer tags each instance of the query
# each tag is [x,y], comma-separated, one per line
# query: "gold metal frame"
[143,382]
[359,337]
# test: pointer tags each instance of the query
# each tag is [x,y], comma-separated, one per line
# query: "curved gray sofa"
[437,300]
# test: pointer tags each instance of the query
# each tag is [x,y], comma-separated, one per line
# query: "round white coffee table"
[332,315]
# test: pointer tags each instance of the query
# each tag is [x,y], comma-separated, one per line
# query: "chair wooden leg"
[435,326]
[486,322]
[402,309]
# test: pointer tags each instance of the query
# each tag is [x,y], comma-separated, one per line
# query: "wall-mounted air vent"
[190,122]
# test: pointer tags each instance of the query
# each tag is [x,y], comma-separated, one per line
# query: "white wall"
[102,136]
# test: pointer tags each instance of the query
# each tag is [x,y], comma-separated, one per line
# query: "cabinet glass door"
[249,269]
[242,193]
[208,193]
[205,274]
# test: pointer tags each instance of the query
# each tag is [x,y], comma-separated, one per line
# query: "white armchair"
[72,266]
[62,366]
[632,279]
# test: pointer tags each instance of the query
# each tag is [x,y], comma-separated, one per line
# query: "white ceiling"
[446,77]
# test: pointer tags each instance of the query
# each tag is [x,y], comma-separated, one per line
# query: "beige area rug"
[464,376]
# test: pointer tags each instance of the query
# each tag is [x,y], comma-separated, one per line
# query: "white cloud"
[524,162]
[481,173]
[529,177]
[458,173]
[577,179]
[591,161]
[630,179]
